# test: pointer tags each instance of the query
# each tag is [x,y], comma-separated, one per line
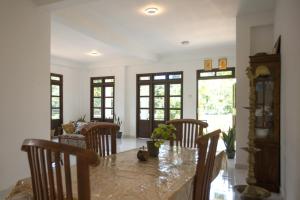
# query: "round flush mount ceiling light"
[94,53]
[151,11]
[185,42]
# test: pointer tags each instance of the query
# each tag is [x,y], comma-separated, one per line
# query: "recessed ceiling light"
[94,53]
[151,11]
[185,42]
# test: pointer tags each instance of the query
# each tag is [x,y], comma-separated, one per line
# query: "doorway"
[159,99]
[216,98]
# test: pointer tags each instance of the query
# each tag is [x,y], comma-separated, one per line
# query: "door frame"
[214,75]
[103,84]
[151,82]
[61,95]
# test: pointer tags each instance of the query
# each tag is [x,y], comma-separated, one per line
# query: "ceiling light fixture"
[185,42]
[94,53]
[151,11]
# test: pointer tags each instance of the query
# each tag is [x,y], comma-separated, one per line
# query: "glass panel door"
[102,98]
[159,98]
[143,117]
[159,106]
[56,105]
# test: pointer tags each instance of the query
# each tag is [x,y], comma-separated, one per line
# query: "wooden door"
[159,98]
[102,98]
[56,102]
[143,113]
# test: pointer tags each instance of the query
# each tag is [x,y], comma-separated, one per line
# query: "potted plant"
[161,133]
[118,121]
[229,142]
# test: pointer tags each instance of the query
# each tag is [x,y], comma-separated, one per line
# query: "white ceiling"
[119,28]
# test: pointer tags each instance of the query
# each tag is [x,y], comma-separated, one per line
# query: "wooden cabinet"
[266,67]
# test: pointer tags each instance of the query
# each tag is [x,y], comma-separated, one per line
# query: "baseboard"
[241,166]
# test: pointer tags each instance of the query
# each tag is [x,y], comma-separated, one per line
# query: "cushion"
[79,126]
[22,190]
[69,128]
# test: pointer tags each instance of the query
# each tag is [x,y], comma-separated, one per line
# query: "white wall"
[261,39]
[126,83]
[244,49]
[73,101]
[287,25]
[24,84]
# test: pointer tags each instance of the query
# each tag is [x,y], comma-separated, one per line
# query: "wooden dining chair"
[207,147]
[187,131]
[52,181]
[100,137]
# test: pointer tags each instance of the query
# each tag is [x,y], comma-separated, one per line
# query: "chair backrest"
[207,145]
[100,137]
[50,180]
[187,131]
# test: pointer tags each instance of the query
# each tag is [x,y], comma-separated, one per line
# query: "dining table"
[121,176]
[170,176]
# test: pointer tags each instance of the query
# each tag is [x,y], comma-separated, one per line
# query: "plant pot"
[230,154]
[152,149]
[119,134]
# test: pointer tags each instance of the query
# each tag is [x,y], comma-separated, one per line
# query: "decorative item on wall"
[208,64]
[276,49]
[223,63]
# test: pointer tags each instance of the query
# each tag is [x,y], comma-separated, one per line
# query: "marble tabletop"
[123,176]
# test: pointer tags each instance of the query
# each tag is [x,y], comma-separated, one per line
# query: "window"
[159,98]
[102,98]
[56,102]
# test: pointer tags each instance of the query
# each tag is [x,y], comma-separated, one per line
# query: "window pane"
[55,114]
[108,113]
[145,78]
[207,74]
[144,102]
[175,89]
[159,102]
[55,102]
[224,73]
[97,113]
[97,102]
[159,90]
[97,81]
[144,90]
[144,114]
[159,115]
[175,114]
[109,102]
[175,102]
[109,91]
[55,78]
[160,77]
[175,76]
[109,80]
[55,90]
[97,91]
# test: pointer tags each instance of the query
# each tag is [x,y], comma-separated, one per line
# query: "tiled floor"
[222,186]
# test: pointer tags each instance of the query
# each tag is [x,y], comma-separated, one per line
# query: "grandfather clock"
[266,68]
